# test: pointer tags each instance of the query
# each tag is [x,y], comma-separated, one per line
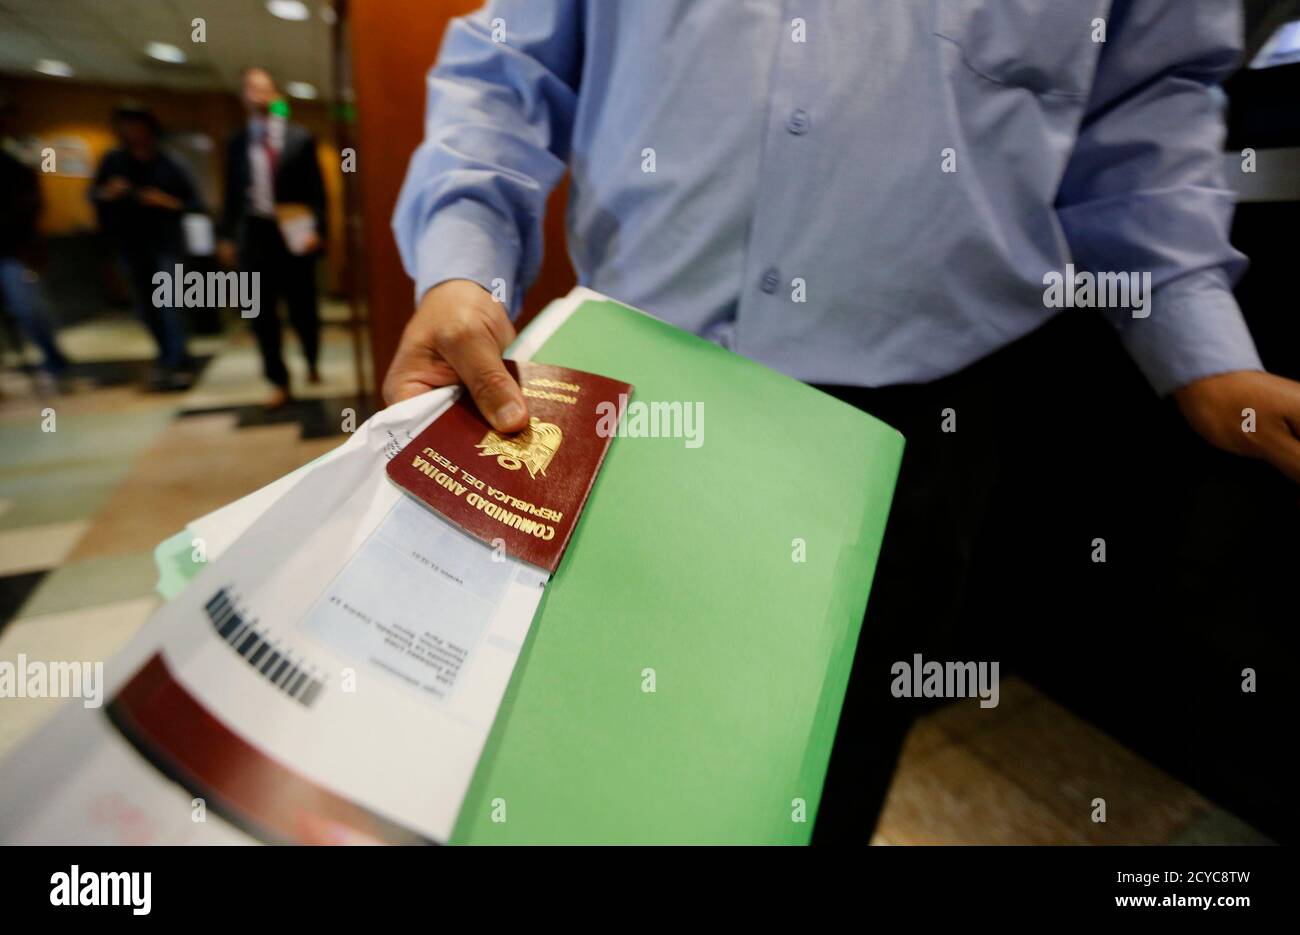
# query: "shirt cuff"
[1195,329]
[468,240]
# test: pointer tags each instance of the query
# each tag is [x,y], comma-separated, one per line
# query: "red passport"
[524,491]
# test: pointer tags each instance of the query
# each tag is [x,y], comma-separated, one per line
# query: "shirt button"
[771,279]
[798,124]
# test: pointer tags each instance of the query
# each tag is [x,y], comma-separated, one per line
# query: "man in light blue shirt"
[876,196]
[858,192]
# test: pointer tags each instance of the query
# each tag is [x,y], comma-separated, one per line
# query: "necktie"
[270,160]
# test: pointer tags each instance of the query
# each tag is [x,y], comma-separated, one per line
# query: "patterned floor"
[1027,772]
[81,509]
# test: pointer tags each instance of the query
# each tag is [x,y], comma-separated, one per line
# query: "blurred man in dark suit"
[274,223]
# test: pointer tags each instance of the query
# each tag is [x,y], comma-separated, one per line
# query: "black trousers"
[989,555]
[949,474]
[165,323]
[282,275]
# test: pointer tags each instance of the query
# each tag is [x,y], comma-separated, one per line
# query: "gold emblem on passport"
[532,448]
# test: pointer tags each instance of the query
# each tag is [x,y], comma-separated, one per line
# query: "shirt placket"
[790,131]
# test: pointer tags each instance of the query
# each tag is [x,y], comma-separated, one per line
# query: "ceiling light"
[294,10]
[301,89]
[165,52]
[54,68]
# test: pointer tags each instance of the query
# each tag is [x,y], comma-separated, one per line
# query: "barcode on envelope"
[251,643]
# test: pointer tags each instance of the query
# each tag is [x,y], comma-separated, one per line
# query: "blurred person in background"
[140,194]
[273,224]
[22,254]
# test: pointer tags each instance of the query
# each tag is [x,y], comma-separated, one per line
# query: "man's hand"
[114,188]
[157,198]
[1214,407]
[457,335]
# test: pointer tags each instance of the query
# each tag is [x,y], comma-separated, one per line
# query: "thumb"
[477,361]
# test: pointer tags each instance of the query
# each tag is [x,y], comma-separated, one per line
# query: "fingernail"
[510,414]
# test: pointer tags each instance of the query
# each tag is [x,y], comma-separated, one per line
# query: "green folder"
[730,578]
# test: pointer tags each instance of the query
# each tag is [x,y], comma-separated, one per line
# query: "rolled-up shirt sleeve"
[1145,189]
[498,123]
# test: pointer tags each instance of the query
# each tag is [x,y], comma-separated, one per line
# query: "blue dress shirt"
[860,192]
